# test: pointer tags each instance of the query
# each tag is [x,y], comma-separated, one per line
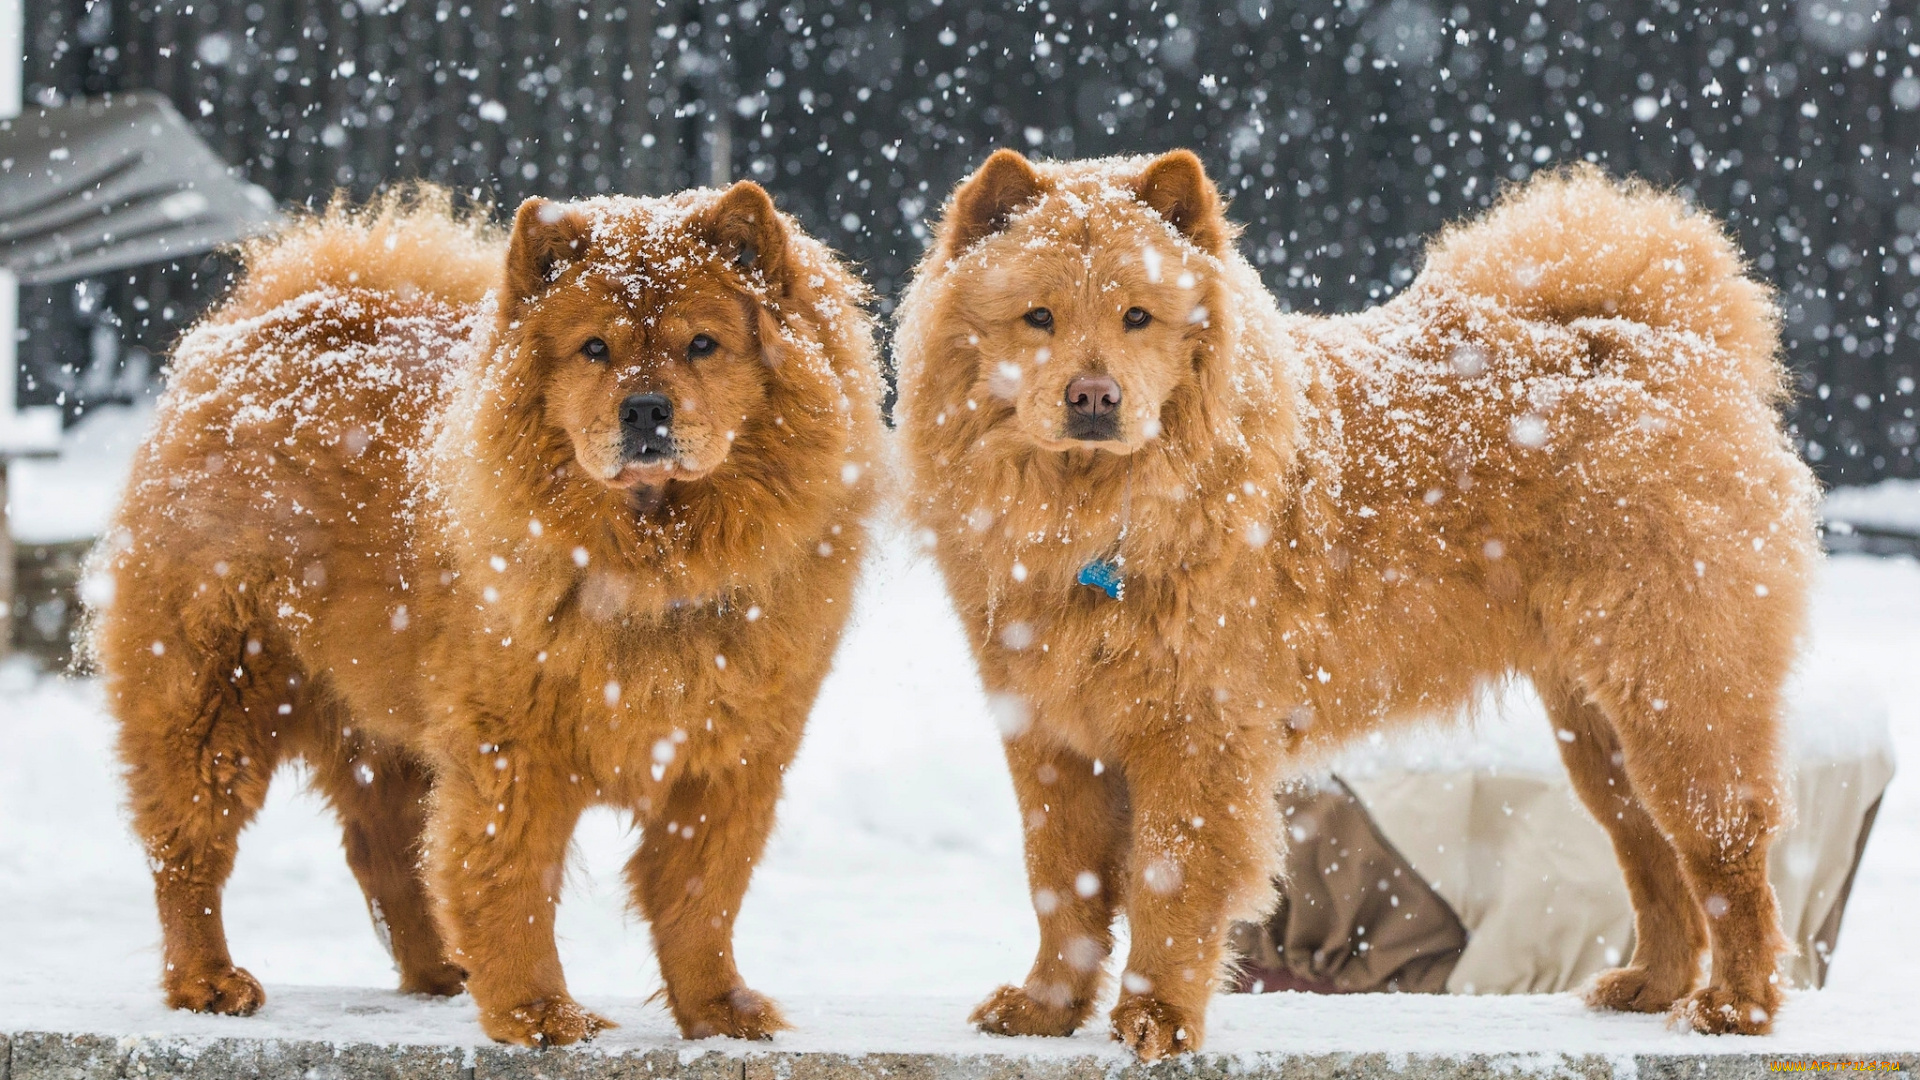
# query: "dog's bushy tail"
[410,239]
[1575,243]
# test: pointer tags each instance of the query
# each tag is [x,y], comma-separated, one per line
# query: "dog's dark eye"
[1040,318]
[701,345]
[594,349]
[1135,318]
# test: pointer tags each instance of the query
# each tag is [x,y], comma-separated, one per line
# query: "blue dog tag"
[1105,576]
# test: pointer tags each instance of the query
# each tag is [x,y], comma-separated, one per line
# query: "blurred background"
[1346,131]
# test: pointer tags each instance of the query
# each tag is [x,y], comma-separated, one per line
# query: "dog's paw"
[1152,1029]
[554,1021]
[1012,1010]
[444,980]
[1634,989]
[232,992]
[740,1014]
[1716,1010]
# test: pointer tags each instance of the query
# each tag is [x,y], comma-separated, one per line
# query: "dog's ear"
[988,198]
[543,234]
[1175,184]
[743,224]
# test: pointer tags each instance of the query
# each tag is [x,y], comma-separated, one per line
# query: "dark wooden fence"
[1346,131]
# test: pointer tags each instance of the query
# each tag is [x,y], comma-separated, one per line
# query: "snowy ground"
[893,895]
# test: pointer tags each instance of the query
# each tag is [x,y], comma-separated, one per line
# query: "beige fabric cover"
[1353,916]
[1528,872]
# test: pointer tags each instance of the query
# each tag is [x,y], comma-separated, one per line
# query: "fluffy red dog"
[562,520]
[1557,454]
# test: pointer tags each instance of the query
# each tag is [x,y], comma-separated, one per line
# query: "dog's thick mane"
[505,472]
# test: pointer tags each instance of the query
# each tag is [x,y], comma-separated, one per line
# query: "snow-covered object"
[325,1033]
[1833,714]
[1890,505]
[107,183]
[71,496]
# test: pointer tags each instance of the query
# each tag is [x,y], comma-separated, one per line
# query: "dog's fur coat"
[385,524]
[1557,454]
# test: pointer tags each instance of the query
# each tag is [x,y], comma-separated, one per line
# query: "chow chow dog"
[1199,543]
[486,531]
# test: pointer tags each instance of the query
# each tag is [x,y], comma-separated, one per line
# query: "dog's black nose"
[1093,395]
[646,421]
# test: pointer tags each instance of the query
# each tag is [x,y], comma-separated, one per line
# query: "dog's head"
[1086,291]
[651,328]
[677,395]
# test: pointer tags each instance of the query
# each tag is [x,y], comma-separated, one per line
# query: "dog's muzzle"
[1093,408]
[646,428]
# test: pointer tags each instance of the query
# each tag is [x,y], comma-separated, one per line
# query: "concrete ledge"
[53,1056]
[345,1033]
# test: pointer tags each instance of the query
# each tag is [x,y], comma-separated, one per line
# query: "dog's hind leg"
[380,794]
[1668,932]
[1696,714]
[200,733]
[1076,842]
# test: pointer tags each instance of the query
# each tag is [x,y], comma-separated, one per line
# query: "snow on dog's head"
[1082,296]
[654,324]
[684,382]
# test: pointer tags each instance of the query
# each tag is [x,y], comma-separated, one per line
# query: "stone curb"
[34,1055]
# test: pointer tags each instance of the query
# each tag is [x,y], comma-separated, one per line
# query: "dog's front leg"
[1076,832]
[697,853]
[496,855]
[1203,850]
